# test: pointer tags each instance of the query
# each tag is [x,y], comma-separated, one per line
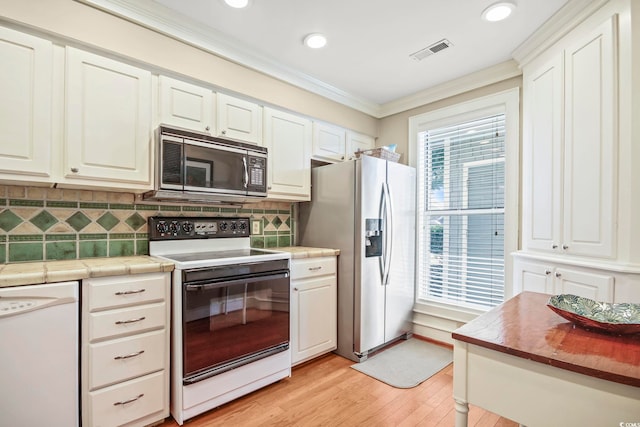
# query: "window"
[465,228]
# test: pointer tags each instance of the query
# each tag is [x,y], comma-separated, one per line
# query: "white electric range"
[230,311]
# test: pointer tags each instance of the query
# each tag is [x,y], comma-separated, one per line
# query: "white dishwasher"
[39,356]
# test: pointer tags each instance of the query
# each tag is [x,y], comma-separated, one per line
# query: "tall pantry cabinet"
[577,163]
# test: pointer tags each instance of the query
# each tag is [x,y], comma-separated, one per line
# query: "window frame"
[507,102]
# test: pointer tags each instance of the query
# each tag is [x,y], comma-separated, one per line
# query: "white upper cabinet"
[288,141]
[358,142]
[186,105]
[590,144]
[107,122]
[570,147]
[25,107]
[329,142]
[239,119]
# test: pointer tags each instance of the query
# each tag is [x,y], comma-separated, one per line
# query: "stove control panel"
[176,228]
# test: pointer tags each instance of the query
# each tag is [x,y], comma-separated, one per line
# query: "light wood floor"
[327,392]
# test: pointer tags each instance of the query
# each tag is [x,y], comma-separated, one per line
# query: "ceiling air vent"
[430,50]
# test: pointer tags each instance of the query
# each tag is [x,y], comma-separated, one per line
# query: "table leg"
[462,413]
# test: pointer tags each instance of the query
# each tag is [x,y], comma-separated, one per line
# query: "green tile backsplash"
[44,224]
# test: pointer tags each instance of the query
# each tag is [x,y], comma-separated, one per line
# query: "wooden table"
[526,363]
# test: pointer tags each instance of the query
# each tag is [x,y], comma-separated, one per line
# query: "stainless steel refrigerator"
[366,208]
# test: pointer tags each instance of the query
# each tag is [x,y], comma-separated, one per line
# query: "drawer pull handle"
[129,356]
[133,399]
[315,268]
[137,291]
[124,322]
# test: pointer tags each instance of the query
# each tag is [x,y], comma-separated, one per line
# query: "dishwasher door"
[39,357]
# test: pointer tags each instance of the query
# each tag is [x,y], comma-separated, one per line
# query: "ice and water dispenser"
[373,237]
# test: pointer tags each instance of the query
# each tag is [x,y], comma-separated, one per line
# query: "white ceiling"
[369,41]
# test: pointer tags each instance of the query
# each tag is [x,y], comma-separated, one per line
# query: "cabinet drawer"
[107,407]
[311,267]
[122,291]
[126,358]
[127,321]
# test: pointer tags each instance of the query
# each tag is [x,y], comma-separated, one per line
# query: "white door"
[329,142]
[288,141]
[358,142]
[532,277]
[597,287]
[25,107]
[542,156]
[590,159]
[239,119]
[108,122]
[186,105]
[314,305]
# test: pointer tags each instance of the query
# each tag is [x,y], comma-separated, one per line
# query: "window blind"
[461,200]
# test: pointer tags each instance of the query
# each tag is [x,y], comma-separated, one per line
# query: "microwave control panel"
[176,228]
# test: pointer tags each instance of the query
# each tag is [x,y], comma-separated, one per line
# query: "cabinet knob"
[75,170]
[558,275]
[207,128]
[224,131]
[554,247]
[295,289]
[268,188]
[547,272]
[342,158]
[565,247]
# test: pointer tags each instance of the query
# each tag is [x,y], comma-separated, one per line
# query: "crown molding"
[494,74]
[561,23]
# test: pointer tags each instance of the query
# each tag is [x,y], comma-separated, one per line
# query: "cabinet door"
[108,122]
[329,142]
[358,142]
[186,105]
[239,119]
[25,110]
[597,287]
[590,166]
[532,277]
[314,317]
[288,139]
[542,156]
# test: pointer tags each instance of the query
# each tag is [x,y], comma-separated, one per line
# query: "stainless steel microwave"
[197,167]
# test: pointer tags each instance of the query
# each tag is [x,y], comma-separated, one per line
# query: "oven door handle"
[252,279]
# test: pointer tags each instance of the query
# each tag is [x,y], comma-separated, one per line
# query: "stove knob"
[243,226]
[174,227]
[187,227]
[162,227]
[224,226]
[234,226]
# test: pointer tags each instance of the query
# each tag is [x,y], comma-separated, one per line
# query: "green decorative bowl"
[618,319]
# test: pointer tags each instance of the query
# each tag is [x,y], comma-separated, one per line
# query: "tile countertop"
[33,273]
[307,252]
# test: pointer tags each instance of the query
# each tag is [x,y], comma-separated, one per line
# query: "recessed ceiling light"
[498,11]
[315,41]
[238,4]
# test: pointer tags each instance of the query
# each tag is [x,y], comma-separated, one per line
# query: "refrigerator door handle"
[388,241]
[382,261]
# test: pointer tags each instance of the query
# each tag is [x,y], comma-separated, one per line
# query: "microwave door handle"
[246,172]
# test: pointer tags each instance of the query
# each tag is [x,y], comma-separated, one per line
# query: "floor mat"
[407,364]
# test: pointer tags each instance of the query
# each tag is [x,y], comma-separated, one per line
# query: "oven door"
[232,321]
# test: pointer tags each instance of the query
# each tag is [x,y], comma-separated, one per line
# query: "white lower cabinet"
[550,278]
[125,350]
[313,308]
